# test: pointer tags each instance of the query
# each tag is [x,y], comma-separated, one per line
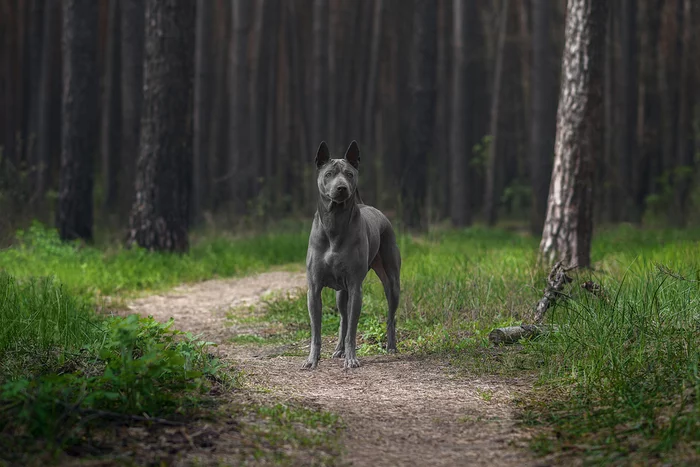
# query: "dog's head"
[337,178]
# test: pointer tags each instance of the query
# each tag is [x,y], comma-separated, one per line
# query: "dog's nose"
[342,189]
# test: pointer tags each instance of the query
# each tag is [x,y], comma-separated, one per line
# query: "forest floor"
[395,409]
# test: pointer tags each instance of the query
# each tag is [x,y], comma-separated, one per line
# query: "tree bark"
[204,86]
[569,226]
[132,57]
[46,104]
[493,166]
[111,112]
[628,167]
[370,95]
[321,72]
[460,213]
[685,150]
[239,136]
[160,214]
[422,114]
[35,47]
[543,112]
[79,143]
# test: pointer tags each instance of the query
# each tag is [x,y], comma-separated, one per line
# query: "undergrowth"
[621,378]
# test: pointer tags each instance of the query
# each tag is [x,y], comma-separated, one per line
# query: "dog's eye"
[328,175]
[349,174]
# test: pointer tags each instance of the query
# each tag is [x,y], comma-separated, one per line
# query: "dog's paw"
[391,350]
[351,363]
[310,364]
[339,354]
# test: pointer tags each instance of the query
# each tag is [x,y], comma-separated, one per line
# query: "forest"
[538,159]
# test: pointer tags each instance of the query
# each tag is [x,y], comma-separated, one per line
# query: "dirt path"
[399,410]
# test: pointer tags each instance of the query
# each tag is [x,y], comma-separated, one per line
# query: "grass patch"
[619,382]
[92,271]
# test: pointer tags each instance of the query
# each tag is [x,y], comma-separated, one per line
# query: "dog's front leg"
[354,307]
[341,299]
[313,300]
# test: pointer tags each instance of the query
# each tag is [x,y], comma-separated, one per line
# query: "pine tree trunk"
[321,73]
[79,142]
[46,103]
[628,167]
[372,77]
[543,112]
[160,214]
[569,225]
[111,112]
[685,138]
[239,136]
[204,80]
[35,46]
[493,166]
[422,114]
[459,150]
[132,56]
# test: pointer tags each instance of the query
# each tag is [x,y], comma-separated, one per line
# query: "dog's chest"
[334,269]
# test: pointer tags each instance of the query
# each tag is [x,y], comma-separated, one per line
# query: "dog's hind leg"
[341,299]
[387,265]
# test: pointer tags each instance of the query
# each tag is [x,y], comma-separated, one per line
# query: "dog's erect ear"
[352,155]
[323,155]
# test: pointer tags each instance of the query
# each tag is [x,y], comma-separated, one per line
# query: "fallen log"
[513,334]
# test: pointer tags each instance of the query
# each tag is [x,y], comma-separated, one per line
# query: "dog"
[347,239]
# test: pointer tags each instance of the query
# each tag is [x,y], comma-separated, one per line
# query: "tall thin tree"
[160,215]
[79,141]
[568,227]
[543,121]
[132,45]
[493,168]
[110,134]
[203,95]
[422,114]
[459,151]
[239,142]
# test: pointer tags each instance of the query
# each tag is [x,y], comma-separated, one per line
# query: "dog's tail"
[358,198]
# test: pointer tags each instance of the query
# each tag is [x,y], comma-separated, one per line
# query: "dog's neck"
[336,217]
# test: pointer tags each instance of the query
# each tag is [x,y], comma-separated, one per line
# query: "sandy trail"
[398,409]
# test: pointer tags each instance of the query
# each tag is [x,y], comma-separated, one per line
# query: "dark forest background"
[453,105]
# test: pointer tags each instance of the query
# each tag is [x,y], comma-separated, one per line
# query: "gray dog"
[347,239]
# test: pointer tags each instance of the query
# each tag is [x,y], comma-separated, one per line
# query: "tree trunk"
[111,112]
[459,149]
[543,112]
[370,95]
[35,45]
[569,226]
[218,132]
[132,53]
[422,114]
[607,176]
[684,169]
[627,142]
[239,130]
[79,142]
[160,215]
[204,86]
[493,166]
[321,73]
[257,96]
[46,104]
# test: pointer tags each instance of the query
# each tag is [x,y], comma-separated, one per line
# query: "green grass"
[622,376]
[87,270]
[619,381]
